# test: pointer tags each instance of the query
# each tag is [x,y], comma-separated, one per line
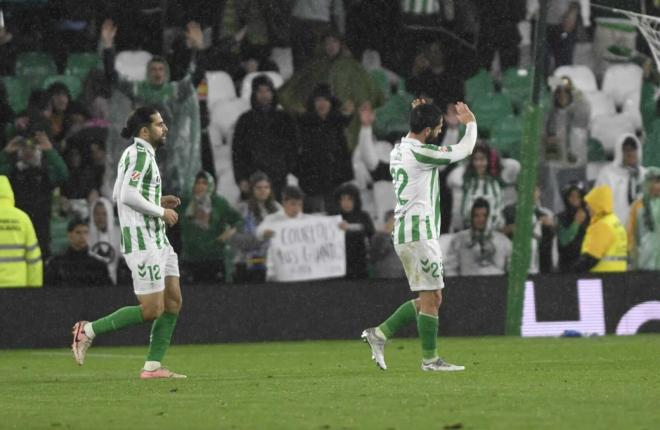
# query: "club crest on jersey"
[135,176]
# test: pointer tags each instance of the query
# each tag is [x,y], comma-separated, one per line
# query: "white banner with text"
[309,248]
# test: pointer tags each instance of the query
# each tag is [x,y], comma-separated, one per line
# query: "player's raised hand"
[367,114]
[108,33]
[464,113]
[170,217]
[170,202]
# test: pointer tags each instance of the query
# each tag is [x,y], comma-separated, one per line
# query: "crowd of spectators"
[278,110]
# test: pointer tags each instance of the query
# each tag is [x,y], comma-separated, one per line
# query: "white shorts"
[149,269]
[422,261]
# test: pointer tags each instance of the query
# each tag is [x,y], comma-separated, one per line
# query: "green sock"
[124,317]
[427,327]
[400,318]
[161,334]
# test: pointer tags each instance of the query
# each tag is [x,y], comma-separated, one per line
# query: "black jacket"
[76,269]
[264,140]
[325,161]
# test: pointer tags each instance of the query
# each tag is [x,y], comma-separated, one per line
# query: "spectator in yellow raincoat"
[605,246]
[20,256]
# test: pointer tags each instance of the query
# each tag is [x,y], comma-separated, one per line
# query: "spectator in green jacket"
[34,169]
[207,223]
[346,77]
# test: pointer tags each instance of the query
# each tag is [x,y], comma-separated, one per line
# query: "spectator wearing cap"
[644,225]
[324,162]
[264,139]
[77,267]
[624,175]
[34,170]
[571,226]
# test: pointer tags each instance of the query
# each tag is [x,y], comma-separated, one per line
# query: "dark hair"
[493,167]
[75,223]
[423,116]
[389,214]
[480,203]
[157,59]
[348,189]
[141,117]
[291,192]
[58,88]
[629,143]
[253,205]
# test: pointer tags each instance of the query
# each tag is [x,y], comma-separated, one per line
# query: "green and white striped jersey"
[137,192]
[415,167]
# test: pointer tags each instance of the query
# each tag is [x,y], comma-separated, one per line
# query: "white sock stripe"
[428,315]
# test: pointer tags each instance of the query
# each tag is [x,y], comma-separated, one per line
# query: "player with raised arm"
[414,167]
[154,265]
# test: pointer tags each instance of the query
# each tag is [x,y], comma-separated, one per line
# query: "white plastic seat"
[583,77]
[283,57]
[246,86]
[220,87]
[623,82]
[600,104]
[132,64]
[608,128]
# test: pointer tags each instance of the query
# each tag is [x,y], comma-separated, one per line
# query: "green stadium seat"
[73,83]
[595,151]
[648,105]
[517,83]
[37,64]
[507,135]
[490,109]
[382,82]
[393,116]
[80,63]
[59,241]
[651,148]
[18,92]
[477,85]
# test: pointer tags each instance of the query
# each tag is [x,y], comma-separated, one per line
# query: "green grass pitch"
[509,383]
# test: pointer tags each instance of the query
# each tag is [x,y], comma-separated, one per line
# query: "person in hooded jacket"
[571,226]
[207,223]
[479,250]
[20,256]
[264,139]
[104,239]
[643,225]
[624,175]
[325,160]
[605,246]
[359,230]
